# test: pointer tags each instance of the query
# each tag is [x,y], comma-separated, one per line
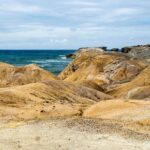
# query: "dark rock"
[126,49]
[70,56]
[86,50]
[104,48]
[42,111]
[74,67]
[142,52]
[148,45]
[115,49]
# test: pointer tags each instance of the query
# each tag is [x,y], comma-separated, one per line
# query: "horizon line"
[37,49]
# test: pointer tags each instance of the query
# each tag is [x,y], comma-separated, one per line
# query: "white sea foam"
[63,57]
[50,61]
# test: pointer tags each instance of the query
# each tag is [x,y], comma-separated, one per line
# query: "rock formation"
[48,99]
[102,70]
[80,51]
[11,75]
[139,51]
[142,92]
[115,50]
[143,79]
[131,110]
[96,84]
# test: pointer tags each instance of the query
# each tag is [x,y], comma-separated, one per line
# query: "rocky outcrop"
[11,75]
[123,71]
[102,70]
[115,50]
[85,49]
[48,99]
[88,65]
[142,52]
[80,51]
[131,110]
[143,79]
[139,51]
[142,92]
[71,56]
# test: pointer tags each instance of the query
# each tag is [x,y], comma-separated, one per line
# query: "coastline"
[101,97]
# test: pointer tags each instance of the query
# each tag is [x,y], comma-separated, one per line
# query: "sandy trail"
[64,135]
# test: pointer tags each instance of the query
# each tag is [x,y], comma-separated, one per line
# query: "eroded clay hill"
[102,70]
[11,75]
[123,110]
[96,84]
[139,87]
[47,99]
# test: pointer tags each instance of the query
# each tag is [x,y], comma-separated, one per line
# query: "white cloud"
[20,8]
[68,23]
[126,11]
[58,41]
[80,3]
[26,9]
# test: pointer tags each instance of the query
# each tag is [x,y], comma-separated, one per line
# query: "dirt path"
[65,135]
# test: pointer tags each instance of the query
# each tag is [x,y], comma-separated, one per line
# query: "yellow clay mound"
[11,75]
[126,110]
[143,79]
[48,99]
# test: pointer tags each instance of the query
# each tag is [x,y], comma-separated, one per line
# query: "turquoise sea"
[51,60]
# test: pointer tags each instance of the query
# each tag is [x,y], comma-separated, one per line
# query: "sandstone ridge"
[103,70]
[11,75]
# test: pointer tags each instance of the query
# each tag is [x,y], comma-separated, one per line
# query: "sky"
[71,24]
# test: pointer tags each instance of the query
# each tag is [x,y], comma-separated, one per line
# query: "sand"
[69,134]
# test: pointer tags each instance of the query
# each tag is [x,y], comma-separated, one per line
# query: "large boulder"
[48,99]
[11,75]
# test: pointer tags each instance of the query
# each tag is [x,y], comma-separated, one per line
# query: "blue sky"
[70,24]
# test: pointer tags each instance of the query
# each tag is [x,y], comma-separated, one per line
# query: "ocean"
[52,60]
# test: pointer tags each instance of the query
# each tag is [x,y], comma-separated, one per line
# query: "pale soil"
[120,109]
[72,134]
